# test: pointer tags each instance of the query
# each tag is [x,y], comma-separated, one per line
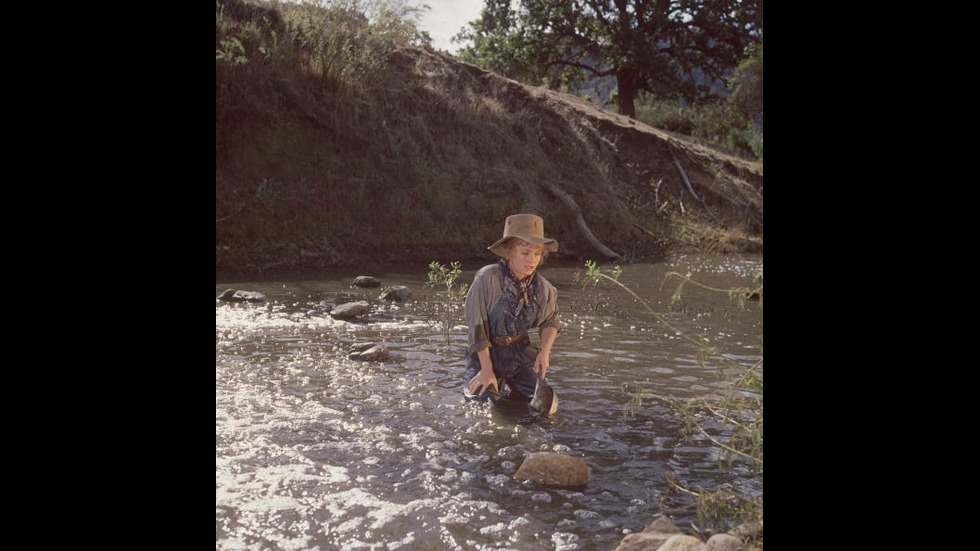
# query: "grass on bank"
[334,143]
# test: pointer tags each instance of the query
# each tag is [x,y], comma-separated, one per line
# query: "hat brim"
[549,244]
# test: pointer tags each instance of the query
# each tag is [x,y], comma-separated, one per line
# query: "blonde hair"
[513,242]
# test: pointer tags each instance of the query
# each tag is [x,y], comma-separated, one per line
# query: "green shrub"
[449,306]
[667,115]
[730,123]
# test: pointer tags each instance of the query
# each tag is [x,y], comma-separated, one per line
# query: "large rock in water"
[554,469]
[682,542]
[396,293]
[368,352]
[351,310]
[724,542]
[663,535]
[231,295]
[365,281]
[652,537]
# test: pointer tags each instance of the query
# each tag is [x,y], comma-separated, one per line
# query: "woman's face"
[523,258]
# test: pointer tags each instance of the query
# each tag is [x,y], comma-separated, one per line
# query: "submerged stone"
[351,310]
[554,469]
[397,293]
[750,530]
[368,352]
[232,295]
[682,542]
[365,281]
[724,542]
[652,537]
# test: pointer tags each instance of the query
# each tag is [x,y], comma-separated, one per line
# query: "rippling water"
[316,451]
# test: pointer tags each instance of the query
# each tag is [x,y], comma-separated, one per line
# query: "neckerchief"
[523,287]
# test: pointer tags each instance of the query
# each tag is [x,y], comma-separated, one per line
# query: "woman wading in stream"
[505,301]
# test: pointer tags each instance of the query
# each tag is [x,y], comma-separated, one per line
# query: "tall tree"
[653,45]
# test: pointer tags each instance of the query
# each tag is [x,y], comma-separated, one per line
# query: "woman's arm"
[543,361]
[479,299]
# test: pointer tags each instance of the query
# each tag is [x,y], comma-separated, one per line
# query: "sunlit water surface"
[316,451]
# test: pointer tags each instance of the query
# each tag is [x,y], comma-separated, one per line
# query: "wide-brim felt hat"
[528,227]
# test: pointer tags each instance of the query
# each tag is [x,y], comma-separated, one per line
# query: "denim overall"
[513,365]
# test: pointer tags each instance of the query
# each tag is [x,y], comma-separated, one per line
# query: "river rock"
[365,281]
[724,542]
[681,542]
[351,310]
[554,469]
[232,295]
[651,538]
[397,293]
[368,352]
[748,531]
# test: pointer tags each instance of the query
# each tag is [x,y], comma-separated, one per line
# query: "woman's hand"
[541,363]
[483,381]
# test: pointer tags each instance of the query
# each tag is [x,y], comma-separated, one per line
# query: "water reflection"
[316,451]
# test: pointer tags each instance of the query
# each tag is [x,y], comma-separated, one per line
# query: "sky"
[446,18]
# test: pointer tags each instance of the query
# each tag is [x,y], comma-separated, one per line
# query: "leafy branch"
[593,294]
[739,410]
[739,294]
[449,306]
[595,273]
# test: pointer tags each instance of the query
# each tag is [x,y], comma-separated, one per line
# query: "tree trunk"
[626,91]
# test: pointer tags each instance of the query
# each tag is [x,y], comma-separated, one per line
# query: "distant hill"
[426,163]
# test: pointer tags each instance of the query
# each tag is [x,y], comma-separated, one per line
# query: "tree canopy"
[665,47]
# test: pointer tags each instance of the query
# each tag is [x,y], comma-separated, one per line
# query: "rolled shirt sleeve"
[548,313]
[480,298]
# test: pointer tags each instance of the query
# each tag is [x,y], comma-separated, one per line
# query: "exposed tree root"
[580,221]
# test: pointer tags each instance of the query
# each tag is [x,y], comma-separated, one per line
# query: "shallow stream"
[317,451]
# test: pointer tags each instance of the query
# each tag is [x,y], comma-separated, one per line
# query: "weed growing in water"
[449,305]
[594,294]
[739,411]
